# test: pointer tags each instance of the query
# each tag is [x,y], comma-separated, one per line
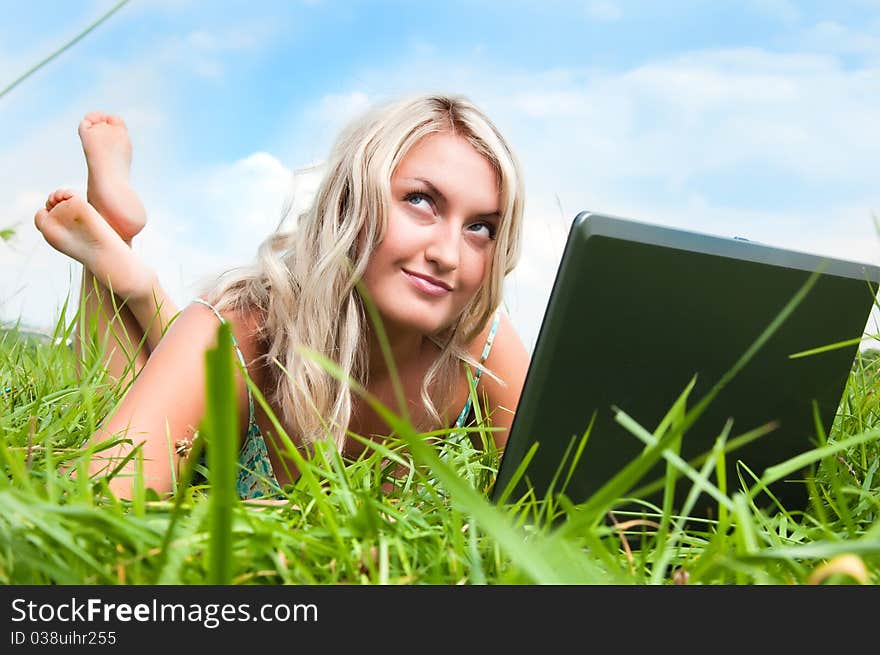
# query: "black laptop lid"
[637,310]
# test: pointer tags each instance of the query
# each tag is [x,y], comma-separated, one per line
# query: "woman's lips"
[427,285]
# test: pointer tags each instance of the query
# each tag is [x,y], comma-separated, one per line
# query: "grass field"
[436,526]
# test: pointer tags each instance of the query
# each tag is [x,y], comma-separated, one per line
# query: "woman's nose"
[443,247]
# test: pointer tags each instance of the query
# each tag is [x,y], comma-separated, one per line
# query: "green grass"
[434,526]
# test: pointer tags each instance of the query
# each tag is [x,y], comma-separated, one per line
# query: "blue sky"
[754,118]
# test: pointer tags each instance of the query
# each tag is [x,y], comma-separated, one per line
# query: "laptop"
[638,312]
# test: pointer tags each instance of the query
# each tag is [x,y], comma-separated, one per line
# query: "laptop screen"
[637,311]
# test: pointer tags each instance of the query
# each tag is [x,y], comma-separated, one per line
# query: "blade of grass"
[774,473]
[33,69]
[220,430]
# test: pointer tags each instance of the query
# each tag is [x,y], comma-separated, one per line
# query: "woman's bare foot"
[107,148]
[72,226]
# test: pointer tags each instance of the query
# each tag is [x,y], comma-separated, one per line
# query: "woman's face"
[442,219]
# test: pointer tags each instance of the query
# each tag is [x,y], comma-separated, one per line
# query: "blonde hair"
[303,283]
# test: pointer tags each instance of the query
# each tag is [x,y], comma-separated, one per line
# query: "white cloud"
[232,39]
[833,37]
[784,10]
[603,10]
[34,279]
[338,108]
[708,112]
[206,52]
[214,220]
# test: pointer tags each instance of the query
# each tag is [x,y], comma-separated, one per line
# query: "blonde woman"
[421,202]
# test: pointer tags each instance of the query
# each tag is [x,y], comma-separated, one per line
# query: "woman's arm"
[166,402]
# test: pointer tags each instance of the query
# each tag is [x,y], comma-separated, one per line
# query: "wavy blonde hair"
[303,283]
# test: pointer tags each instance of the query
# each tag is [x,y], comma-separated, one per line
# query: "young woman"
[421,206]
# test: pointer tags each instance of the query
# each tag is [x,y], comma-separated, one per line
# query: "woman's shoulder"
[500,351]
[505,361]
[498,341]
[245,325]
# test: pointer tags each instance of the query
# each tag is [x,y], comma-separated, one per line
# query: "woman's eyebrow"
[434,190]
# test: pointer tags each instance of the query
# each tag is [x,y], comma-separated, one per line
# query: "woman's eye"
[418,200]
[483,229]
